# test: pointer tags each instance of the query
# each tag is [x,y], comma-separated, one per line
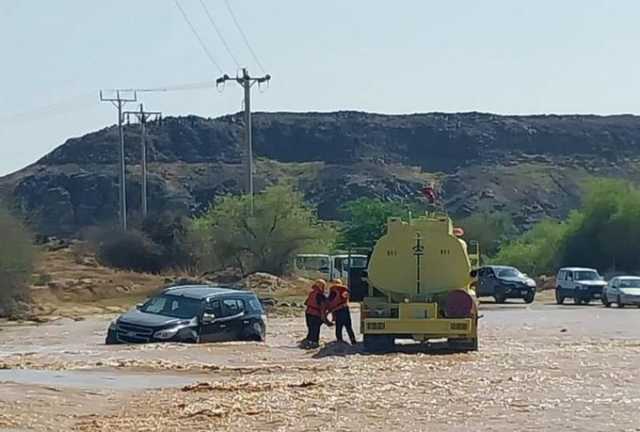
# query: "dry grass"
[77,285]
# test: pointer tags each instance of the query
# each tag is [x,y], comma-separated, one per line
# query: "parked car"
[192,313]
[503,282]
[622,290]
[580,284]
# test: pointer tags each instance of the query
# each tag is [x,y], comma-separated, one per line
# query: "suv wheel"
[111,339]
[619,302]
[559,297]
[530,297]
[499,296]
[188,335]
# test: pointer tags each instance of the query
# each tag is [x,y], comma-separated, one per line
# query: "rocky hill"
[528,166]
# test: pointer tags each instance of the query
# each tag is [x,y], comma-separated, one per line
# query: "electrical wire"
[244,36]
[77,103]
[215,26]
[195,33]
[177,87]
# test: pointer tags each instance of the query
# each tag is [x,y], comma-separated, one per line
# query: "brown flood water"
[540,367]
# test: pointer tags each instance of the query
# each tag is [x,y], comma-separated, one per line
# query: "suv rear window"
[254,305]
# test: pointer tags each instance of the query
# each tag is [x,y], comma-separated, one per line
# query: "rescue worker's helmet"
[319,284]
[337,281]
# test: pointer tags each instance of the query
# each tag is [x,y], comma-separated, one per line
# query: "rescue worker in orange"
[339,309]
[316,313]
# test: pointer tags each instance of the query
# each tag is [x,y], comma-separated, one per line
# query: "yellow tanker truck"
[418,286]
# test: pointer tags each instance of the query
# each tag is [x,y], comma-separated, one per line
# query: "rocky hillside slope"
[528,166]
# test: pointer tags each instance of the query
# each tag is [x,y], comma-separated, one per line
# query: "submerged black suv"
[192,313]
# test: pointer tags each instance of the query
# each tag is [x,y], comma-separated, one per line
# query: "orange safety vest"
[341,298]
[313,307]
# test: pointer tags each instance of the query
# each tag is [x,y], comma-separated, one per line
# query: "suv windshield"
[629,283]
[586,276]
[173,306]
[509,272]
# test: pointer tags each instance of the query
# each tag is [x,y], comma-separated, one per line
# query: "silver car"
[622,290]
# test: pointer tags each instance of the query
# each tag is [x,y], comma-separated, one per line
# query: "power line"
[215,26]
[74,104]
[195,33]
[244,36]
[176,87]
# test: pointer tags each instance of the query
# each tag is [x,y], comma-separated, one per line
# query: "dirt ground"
[540,367]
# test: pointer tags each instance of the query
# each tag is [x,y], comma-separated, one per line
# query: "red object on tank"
[458,232]
[460,304]
[430,194]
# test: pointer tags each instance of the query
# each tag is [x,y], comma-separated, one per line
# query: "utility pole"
[144,116]
[247,81]
[119,102]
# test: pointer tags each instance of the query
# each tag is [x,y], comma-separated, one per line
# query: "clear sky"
[535,56]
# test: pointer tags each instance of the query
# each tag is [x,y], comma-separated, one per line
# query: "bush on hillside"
[131,250]
[537,251]
[604,233]
[160,243]
[488,229]
[17,256]
[171,233]
[281,226]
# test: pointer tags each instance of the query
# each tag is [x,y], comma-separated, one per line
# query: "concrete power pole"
[119,102]
[144,116]
[246,81]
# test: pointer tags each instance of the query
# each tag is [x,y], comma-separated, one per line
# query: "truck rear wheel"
[378,343]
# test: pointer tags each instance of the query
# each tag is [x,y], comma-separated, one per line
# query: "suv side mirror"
[139,306]
[208,317]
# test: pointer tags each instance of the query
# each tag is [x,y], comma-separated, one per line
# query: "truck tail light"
[460,304]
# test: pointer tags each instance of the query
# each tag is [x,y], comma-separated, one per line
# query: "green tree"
[537,251]
[604,233]
[17,256]
[281,226]
[365,221]
[488,229]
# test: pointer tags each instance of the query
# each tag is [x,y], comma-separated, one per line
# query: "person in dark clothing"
[315,314]
[339,308]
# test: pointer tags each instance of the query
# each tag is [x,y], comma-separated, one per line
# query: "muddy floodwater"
[540,367]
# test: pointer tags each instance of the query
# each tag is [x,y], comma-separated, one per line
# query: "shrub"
[604,233]
[131,250]
[488,229]
[17,256]
[281,226]
[171,233]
